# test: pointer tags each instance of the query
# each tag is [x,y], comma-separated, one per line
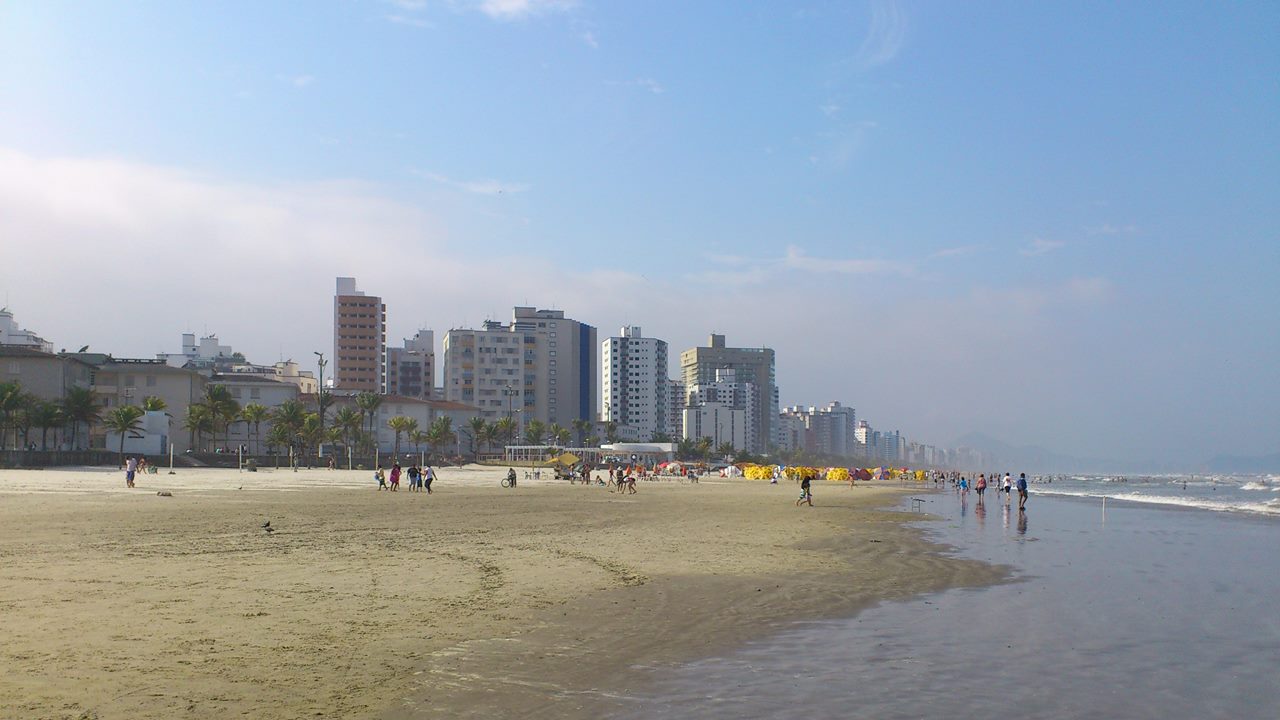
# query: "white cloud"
[956,251]
[589,38]
[796,259]
[1109,229]
[407,20]
[649,84]
[885,36]
[1041,246]
[521,9]
[298,81]
[478,187]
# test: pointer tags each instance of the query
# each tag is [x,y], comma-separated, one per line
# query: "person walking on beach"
[381,478]
[981,486]
[428,476]
[1008,488]
[415,476]
[395,477]
[1022,491]
[130,469]
[806,492]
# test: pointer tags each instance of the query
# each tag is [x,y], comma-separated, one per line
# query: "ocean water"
[1224,493]
[1138,610]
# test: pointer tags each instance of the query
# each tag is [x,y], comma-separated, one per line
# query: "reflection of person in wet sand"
[1022,521]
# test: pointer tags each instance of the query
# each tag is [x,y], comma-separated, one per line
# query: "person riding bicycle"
[511,476]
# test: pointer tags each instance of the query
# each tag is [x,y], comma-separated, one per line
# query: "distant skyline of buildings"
[542,365]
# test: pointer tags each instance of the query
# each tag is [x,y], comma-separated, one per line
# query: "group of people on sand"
[420,479]
[133,466]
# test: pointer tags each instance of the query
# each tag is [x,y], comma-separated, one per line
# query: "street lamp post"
[320,394]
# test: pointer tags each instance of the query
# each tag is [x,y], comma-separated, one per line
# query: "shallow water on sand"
[1135,612]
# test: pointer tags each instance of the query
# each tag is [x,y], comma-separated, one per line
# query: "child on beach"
[806,493]
[1022,491]
[381,478]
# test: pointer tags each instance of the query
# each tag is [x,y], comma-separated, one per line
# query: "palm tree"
[290,416]
[534,431]
[222,407]
[581,426]
[349,423]
[253,414]
[557,435]
[611,431]
[400,425]
[505,430]
[418,438]
[46,416]
[199,420]
[124,420]
[726,449]
[476,429]
[368,403]
[489,436]
[80,406]
[593,441]
[311,434]
[441,433]
[703,447]
[660,437]
[686,449]
[152,403]
[12,400]
[278,435]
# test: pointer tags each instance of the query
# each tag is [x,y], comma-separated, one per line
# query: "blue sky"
[1053,222]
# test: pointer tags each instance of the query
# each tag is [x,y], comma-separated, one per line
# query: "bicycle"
[508,481]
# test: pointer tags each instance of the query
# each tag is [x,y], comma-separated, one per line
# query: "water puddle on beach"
[1135,612]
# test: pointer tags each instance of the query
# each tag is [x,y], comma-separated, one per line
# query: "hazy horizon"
[1054,224]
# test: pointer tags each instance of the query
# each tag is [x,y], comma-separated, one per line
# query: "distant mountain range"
[1035,459]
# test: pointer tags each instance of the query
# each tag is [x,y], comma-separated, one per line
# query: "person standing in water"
[1022,491]
[1008,488]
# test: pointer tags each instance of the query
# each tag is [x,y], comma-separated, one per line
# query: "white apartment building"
[634,394]
[676,399]
[540,366]
[718,421]
[725,392]
[11,334]
[207,351]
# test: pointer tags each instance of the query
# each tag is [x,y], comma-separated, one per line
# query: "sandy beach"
[475,601]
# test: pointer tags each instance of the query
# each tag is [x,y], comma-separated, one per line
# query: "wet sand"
[474,601]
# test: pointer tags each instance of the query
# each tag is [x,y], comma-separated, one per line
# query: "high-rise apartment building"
[411,370]
[676,399]
[359,339]
[540,366]
[831,430]
[751,365]
[722,410]
[633,371]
